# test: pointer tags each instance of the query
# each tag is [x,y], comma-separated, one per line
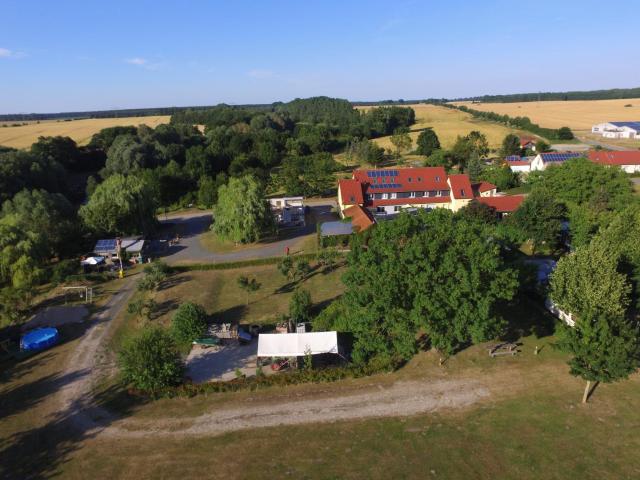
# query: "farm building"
[544,160]
[626,161]
[383,193]
[503,204]
[618,129]
[528,143]
[519,164]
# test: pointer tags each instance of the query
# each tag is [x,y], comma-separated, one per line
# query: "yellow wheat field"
[448,125]
[79,130]
[579,115]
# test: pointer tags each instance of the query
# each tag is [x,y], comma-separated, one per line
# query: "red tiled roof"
[409,179]
[518,163]
[483,187]
[504,204]
[360,217]
[351,191]
[460,186]
[615,158]
[526,140]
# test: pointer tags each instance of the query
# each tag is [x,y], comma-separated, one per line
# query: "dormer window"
[437,178]
[409,179]
[419,179]
[462,192]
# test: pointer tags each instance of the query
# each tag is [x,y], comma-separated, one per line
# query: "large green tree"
[427,142]
[539,218]
[121,205]
[128,154]
[151,361]
[510,145]
[432,272]
[242,214]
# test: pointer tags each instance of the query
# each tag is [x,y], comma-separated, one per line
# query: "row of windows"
[394,195]
[395,180]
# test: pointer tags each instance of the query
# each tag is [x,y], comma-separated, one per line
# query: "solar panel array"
[560,157]
[633,125]
[513,158]
[105,245]
[382,173]
[385,185]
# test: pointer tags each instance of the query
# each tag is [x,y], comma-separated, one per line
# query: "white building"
[618,129]
[544,160]
[628,162]
[519,164]
[288,210]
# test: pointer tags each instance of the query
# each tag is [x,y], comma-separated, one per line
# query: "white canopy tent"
[297,344]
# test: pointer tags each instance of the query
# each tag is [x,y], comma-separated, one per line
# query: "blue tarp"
[330,229]
[39,339]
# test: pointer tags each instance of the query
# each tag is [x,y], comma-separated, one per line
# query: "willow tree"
[242,215]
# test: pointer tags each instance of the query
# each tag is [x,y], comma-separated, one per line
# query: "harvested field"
[579,115]
[79,130]
[448,125]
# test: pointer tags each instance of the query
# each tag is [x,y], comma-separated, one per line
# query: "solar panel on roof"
[106,245]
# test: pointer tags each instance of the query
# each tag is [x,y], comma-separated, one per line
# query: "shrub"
[154,275]
[150,361]
[64,268]
[300,306]
[188,323]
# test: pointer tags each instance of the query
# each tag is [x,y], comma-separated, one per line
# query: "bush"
[188,323]
[63,269]
[154,275]
[300,306]
[151,361]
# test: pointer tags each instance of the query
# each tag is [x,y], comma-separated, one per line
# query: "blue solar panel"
[105,245]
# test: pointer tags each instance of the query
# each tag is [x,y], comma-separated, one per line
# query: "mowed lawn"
[448,125]
[79,130]
[579,115]
[531,427]
[218,292]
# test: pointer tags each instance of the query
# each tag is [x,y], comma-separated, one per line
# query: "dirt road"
[90,360]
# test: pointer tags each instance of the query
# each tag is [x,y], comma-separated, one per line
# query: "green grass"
[526,188]
[218,292]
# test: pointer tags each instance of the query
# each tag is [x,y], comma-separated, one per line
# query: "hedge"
[239,264]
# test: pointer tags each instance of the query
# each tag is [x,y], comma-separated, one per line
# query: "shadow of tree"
[527,317]
[229,315]
[40,452]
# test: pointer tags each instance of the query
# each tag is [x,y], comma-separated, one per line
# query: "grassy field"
[579,115]
[448,125]
[531,427]
[218,292]
[79,130]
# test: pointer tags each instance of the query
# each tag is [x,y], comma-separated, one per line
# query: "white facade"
[520,168]
[617,130]
[288,210]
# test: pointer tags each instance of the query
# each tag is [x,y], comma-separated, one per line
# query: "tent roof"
[297,344]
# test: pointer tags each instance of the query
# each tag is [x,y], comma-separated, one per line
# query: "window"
[413,194]
[375,180]
[370,196]
[462,192]
[380,209]
[385,196]
[419,179]
[433,193]
[419,194]
[396,208]
[444,193]
[352,198]
[409,179]
[437,178]
[404,194]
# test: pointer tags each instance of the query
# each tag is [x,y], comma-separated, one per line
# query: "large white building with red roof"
[389,191]
[628,161]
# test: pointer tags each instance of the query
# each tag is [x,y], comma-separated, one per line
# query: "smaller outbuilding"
[519,164]
[288,211]
[283,345]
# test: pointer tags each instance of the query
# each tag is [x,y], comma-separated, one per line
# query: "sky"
[69,55]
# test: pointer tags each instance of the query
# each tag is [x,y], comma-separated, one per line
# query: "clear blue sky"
[68,55]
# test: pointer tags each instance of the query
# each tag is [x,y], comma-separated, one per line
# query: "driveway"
[193,225]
